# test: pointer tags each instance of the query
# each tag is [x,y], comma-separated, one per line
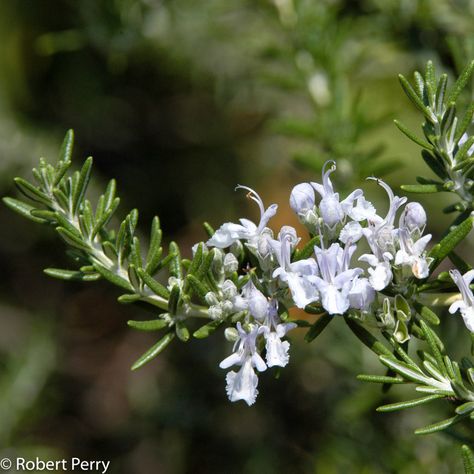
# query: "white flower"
[242,385]
[351,231]
[229,232]
[273,331]
[297,275]
[336,277]
[362,210]
[302,198]
[231,264]
[413,217]
[381,235]
[466,304]
[257,303]
[381,274]
[412,253]
[331,209]
[361,294]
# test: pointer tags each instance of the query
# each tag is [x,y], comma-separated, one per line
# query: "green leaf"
[155,250]
[423,188]
[113,277]
[435,351]
[427,314]
[461,82]
[440,251]
[23,209]
[175,267]
[154,285]
[440,91]
[408,403]
[173,301]
[198,287]
[154,351]
[441,425]
[65,152]
[430,75]
[412,136]
[71,275]
[412,95]
[384,379]
[150,325]
[207,329]
[72,239]
[435,164]
[462,153]
[318,327]
[459,262]
[367,338]
[403,369]
[307,250]
[209,229]
[105,217]
[31,191]
[465,408]
[81,185]
[182,331]
[128,298]
[465,123]
[468,459]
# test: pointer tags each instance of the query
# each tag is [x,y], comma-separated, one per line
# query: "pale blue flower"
[381,237]
[331,210]
[361,294]
[273,331]
[335,280]
[466,304]
[257,302]
[413,217]
[229,232]
[412,253]
[299,275]
[242,385]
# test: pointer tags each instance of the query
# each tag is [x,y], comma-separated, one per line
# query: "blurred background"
[180,101]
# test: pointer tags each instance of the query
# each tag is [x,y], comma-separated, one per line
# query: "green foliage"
[114,255]
[446,147]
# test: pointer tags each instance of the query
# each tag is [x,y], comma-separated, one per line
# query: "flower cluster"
[390,254]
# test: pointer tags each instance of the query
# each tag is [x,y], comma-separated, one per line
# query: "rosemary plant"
[245,279]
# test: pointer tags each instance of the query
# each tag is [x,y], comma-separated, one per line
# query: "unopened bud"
[413,216]
[215,312]
[231,264]
[302,198]
[211,298]
[231,334]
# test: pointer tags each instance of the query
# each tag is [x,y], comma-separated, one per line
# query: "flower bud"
[215,312]
[229,290]
[331,210]
[231,264]
[413,216]
[257,302]
[211,298]
[237,248]
[302,198]
[227,307]
[231,334]
[263,244]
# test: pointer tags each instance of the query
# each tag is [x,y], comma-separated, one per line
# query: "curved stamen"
[326,181]
[253,195]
